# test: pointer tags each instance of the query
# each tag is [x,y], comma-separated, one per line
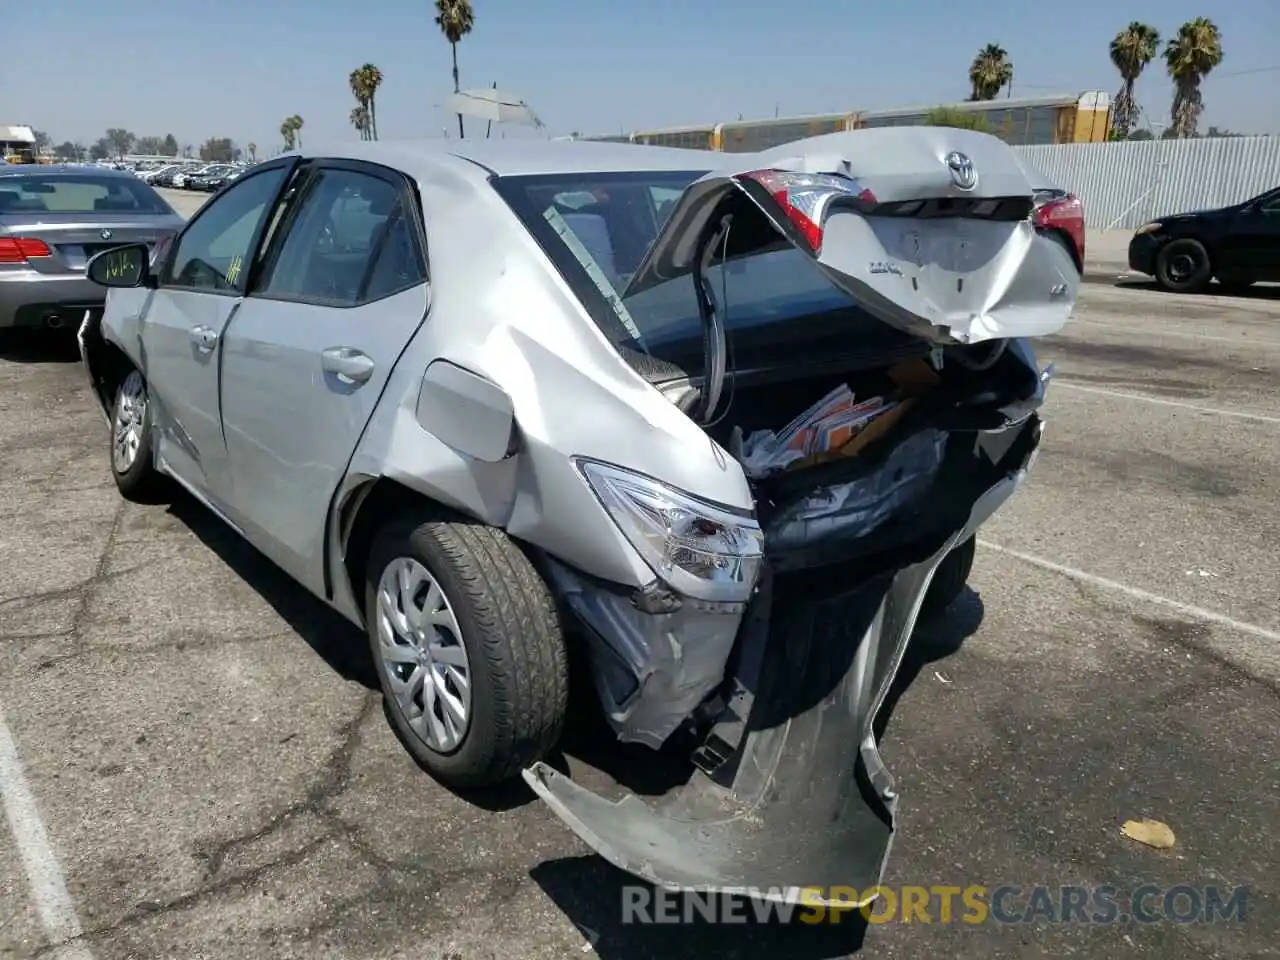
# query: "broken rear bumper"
[791,798]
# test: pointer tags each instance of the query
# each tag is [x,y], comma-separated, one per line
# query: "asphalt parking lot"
[194,766]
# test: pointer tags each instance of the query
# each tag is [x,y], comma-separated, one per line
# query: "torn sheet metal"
[802,802]
[652,670]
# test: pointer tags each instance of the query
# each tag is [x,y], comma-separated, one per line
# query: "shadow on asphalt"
[327,632]
[33,345]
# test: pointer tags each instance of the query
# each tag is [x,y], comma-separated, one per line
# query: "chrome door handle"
[204,338]
[347,364]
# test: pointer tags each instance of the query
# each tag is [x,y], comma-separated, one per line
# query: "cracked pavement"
[218,780]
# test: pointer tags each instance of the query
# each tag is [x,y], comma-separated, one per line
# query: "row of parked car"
[205,178]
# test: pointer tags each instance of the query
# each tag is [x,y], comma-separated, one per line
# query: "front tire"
[1183,266]
[132,466]
[469,650]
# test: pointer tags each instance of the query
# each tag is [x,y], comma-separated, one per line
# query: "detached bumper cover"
[804,804]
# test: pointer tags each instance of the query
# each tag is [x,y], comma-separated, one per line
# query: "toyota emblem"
[106,234]
[961,169]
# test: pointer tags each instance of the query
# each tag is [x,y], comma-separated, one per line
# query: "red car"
[1060,215]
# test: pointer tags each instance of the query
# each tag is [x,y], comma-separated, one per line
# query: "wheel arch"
[359,516]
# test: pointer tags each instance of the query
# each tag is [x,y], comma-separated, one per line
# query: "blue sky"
[237,67]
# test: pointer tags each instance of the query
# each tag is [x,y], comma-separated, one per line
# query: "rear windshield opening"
[596,229]
[78,194]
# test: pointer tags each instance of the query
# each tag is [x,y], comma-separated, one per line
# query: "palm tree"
[1190,56]
[455,18]
[253,152]
[365,82]
[296,123]
[359,117]
[1131,50]
[990,70]
[287,133]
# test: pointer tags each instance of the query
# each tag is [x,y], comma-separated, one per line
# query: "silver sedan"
[53,219]
[496,401]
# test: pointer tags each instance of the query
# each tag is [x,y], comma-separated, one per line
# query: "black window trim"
[165,276]
[408,205]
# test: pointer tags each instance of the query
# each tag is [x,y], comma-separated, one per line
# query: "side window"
[212,254]
[397,265]
[347,243]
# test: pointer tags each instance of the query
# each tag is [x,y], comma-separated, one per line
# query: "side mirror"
[126,266]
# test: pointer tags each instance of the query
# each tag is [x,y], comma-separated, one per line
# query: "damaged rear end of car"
[847,318]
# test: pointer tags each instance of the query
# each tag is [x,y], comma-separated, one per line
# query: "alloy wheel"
[130,418]
[422,655]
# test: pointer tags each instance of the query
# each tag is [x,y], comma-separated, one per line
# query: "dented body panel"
[506,387]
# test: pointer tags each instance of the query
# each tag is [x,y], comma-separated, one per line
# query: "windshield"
[78,193]
[596,228]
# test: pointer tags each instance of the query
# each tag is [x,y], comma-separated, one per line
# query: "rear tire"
[132,466]
[460,623]
[949,580]
[1183,266]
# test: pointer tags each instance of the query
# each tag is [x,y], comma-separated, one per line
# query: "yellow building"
[1082,118]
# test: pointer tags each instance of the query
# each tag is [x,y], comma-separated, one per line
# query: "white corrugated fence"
[1126,183]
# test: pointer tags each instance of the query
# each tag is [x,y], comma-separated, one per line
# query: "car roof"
[509,158]
[61,169]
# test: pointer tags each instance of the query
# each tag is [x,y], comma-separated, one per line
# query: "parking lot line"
[1059,384]
[44,874]
[1150,332]
[1136,593]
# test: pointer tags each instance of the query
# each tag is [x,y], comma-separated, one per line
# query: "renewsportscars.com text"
[942,904]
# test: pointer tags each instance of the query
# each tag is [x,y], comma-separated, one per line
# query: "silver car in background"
[489,400]
[53,219]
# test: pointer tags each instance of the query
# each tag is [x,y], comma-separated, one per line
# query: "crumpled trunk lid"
[929,229]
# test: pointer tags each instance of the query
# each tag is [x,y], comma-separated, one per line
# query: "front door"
[307,356]
[201,286]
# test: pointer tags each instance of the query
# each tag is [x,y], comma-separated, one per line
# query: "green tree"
[120,141]
[42,141]
[219,150]
[359,118]
[67,151]
[291,132]
[1131,50]
[253,151]
[170,146]
[963,119]
[990,71]
[456,19]
[1190,56]
[364,82]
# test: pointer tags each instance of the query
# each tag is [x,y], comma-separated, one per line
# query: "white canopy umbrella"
[496,106]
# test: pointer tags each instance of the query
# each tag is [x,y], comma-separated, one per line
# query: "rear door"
[928,227]
[201,285]
[307,356]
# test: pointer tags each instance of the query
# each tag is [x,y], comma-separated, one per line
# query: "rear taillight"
[22,249]
[805,197]
[1067,215]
